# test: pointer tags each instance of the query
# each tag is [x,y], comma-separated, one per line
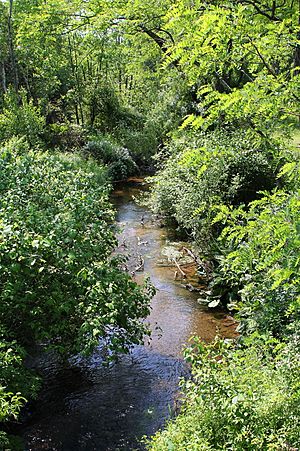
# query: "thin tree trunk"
[12,54]
[120,80]
[3,73]
[78,85]
[297,51]
[75,69]
[74,75]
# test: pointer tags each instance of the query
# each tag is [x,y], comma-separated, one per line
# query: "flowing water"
[86,406]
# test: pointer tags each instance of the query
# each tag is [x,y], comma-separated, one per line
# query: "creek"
[86,406]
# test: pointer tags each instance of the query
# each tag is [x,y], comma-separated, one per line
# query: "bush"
[119,161]
[58,283]
[261,263]
[16,383]
[244,398]
[65,136]
[203,172]
[103,108]
[21,118]
[142,142]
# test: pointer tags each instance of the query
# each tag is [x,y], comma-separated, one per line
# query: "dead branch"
[180,270]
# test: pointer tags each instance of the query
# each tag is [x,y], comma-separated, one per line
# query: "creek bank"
[195,273]
[86,406]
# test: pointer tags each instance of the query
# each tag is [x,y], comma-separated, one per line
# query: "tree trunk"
[3,73]
[12,54]
[297,51]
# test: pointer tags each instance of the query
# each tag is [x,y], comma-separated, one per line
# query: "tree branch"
[270,16]
[161,42]
[267,66]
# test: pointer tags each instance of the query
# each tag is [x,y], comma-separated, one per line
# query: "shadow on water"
[86,406]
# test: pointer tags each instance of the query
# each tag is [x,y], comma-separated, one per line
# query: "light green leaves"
[56,272]
[262,260]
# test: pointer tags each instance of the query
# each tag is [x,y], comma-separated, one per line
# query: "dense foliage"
[59,285]
[236,400]
[205,170]
[262,263]
[120,163]
[56,280]
[246,396]
[212,89]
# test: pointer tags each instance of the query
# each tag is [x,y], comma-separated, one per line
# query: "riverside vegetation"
[207,95]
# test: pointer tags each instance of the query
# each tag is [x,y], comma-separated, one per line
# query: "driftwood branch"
[194,256]
[179,269]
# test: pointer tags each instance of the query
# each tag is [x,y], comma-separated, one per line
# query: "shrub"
[142,142]
[21,118]
[203,172]
[261,262]
[65,136]
[16,383]
[103,108]
[244,398]
[58,283]
[119,161]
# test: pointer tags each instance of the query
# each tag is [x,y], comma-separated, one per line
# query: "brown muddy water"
[86,406]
